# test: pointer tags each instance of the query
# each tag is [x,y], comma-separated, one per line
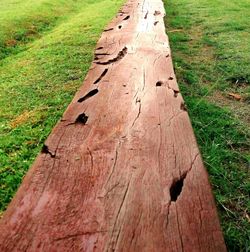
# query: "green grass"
[24,21]
[211,52]
[40,75]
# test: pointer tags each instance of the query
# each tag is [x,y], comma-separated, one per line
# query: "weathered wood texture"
[121,171]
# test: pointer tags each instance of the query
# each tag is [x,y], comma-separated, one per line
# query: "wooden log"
[121,171]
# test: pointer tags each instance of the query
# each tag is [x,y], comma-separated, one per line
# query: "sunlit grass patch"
[211,52]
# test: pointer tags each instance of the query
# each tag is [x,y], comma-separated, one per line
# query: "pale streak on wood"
[104,177]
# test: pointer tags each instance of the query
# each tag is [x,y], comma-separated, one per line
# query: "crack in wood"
[138,114]
[159,83]
[173,117]
[99,48]
[176,188]
[175,91]
[178,225]
[111,189]
[156,13]
[110,29]
[81,119]
[102,54]
[45,150]
[101,76]
[88,95]
[119,56]
[177,184]
[115,161]
[183,106]
[127,17]
[119,211]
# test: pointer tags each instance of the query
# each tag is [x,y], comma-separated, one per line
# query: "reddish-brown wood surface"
[121,171]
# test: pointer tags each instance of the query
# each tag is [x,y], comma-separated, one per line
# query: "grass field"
[211,53]
[46,47]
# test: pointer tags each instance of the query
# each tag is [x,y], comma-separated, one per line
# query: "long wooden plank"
[121,171]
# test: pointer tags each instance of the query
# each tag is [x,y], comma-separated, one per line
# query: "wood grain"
[121,171]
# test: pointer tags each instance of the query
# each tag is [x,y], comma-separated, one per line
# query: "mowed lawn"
[210,42]
[46,47]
